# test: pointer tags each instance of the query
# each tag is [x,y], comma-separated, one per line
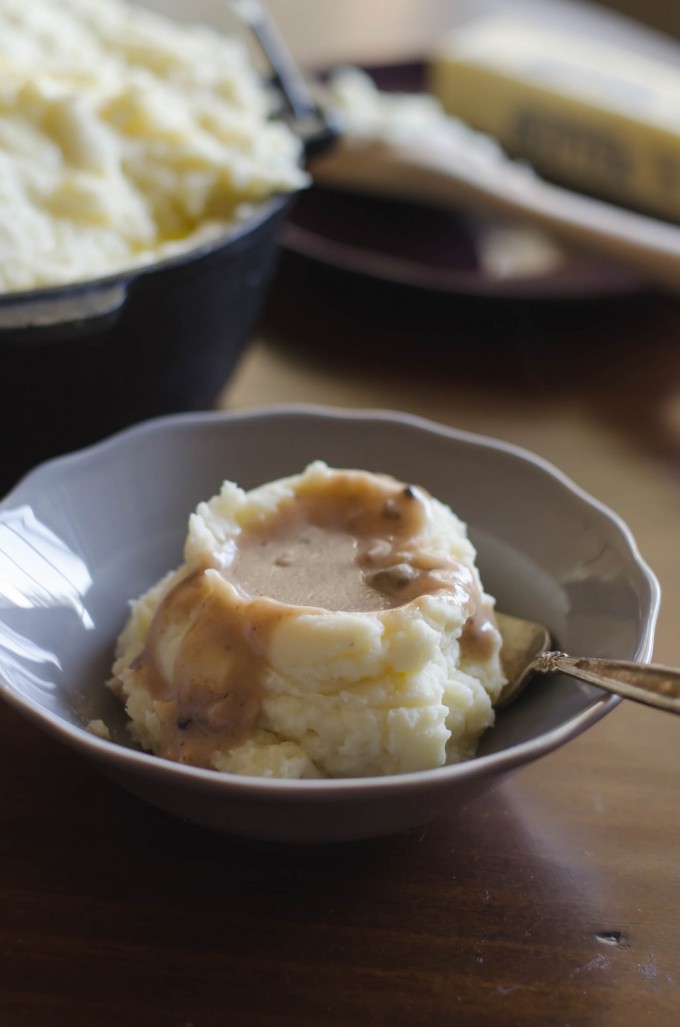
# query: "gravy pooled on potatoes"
[317,627]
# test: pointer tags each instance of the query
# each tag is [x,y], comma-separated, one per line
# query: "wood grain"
[551,901]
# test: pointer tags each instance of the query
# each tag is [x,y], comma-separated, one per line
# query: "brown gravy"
[356,545]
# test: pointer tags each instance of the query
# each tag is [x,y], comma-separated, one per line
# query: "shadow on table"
[618,358]
[111,905]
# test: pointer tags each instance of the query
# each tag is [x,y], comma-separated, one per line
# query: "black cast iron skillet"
[81,361]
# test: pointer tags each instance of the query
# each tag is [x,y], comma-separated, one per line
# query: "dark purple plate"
[426,248]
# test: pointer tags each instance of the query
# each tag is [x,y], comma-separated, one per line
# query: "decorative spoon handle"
[648,683]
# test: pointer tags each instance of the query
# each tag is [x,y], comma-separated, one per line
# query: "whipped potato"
[332,623]
[125,138]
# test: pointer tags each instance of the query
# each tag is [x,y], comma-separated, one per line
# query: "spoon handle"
[316,127]
[648,683]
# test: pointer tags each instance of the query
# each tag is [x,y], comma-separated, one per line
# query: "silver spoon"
[316,127]
[526,651]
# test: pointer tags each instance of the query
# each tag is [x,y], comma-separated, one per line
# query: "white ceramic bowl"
[81,535]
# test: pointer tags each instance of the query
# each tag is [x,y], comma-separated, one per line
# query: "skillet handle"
[61,313]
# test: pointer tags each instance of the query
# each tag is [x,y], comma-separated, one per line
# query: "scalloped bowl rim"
[496,763]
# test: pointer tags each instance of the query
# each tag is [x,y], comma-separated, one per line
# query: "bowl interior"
[82,535]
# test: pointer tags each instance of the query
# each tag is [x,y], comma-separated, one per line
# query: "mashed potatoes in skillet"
[124,138]
[328,624]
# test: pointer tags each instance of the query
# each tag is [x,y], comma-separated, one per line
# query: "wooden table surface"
[552,901]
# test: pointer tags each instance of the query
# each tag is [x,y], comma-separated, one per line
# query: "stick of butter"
[587,114]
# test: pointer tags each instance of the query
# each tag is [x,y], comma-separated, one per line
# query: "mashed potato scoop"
[328,624]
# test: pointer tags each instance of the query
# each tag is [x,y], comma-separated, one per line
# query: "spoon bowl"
[526,653]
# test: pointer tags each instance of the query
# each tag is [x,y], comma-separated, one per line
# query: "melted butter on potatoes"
[328,624]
